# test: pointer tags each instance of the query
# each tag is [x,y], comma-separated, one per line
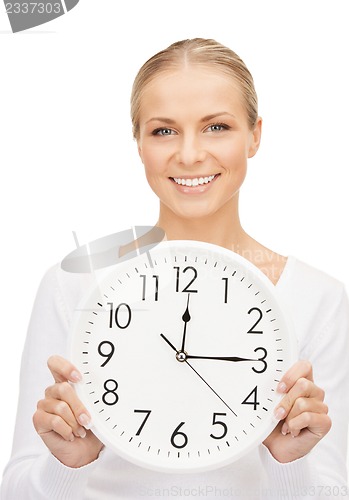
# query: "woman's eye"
[163,131]
[218,127]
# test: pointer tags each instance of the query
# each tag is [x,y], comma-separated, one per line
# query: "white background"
[68,161]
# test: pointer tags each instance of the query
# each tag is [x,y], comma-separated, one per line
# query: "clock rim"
[293,347]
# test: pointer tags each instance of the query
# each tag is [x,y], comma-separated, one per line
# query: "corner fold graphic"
[24,15]
[70,4]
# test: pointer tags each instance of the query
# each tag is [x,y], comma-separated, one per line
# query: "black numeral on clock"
[225,289]
[115,317]
[147,412]
[186,288]
[264,364]
[156,292]
[110,397]
[251,399]
[106,349]
[224,429]
[260,316]
[179,436]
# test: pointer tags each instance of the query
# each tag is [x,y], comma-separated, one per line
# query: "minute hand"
[222,358]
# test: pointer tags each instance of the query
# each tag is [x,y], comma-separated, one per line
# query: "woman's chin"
[189,213]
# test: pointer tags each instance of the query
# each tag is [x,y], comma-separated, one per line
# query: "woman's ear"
[255,138]
[140,151]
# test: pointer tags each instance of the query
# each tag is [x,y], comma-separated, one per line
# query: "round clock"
[181,350]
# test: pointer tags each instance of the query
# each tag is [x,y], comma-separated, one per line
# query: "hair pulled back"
[195,51]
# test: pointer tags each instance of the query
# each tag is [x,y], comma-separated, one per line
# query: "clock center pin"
[181,356]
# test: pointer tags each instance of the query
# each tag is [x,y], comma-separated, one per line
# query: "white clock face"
[181,352]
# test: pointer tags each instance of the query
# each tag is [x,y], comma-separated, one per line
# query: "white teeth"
[193,182]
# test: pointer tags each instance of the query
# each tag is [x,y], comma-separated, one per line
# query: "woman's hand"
[302,414]
[60,418]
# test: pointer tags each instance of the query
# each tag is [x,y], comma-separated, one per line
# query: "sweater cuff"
[290,480]
[56,481]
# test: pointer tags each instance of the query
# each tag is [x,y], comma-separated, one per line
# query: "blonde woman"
[195,120]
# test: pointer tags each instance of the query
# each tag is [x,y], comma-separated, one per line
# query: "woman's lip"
[191,176]
[201,188]
[200,179]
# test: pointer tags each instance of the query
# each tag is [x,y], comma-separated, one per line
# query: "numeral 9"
[109,354]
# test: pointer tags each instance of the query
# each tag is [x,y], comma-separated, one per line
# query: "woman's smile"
[194,185]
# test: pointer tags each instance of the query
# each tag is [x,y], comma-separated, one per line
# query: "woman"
[195,120]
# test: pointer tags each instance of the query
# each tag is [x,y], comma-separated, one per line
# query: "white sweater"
[319,308]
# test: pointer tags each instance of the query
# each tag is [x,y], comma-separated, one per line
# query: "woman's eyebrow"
[214,115]
[206,118]
[161,119]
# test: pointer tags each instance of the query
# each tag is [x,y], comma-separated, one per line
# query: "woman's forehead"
[191,71]
[191,87]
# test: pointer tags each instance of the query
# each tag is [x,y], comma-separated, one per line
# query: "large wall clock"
[181,351]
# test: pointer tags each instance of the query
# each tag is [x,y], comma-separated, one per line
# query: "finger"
[303,388]
[65,392]
[317,423]
[46,422]
[62,370]
[63,410]
[301,369]
[303,405]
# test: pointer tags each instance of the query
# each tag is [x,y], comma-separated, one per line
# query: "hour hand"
[186,318]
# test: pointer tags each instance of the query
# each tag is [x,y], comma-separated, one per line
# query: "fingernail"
[71,438]
[75,376]
[284,430]
[85,420]
[282,387]
[280,413]
[81,432]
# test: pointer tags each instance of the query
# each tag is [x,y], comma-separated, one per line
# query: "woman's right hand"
[60,418]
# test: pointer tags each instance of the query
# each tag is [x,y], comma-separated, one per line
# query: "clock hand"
[185,356]
[208,385]
[222,358]
[186,318]
[181,356]
[169,343]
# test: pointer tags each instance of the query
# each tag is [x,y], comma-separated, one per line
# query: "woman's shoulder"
[67,282]
[65,290]
[298,274]
[314,299]
[289,272]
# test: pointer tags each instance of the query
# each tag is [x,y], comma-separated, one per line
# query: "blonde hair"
[201,51]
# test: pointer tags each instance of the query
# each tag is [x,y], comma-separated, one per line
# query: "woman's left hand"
[302,413]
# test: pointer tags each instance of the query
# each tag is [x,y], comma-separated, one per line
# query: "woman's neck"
[223,228]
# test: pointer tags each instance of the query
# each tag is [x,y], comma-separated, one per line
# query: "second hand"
[208,385]
[197,373]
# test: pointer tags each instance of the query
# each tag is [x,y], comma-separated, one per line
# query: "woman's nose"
[190,151]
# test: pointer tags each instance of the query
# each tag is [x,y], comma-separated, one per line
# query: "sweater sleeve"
[32,472]
[323,472]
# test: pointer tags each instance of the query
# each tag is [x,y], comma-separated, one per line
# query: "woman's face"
[194,140]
